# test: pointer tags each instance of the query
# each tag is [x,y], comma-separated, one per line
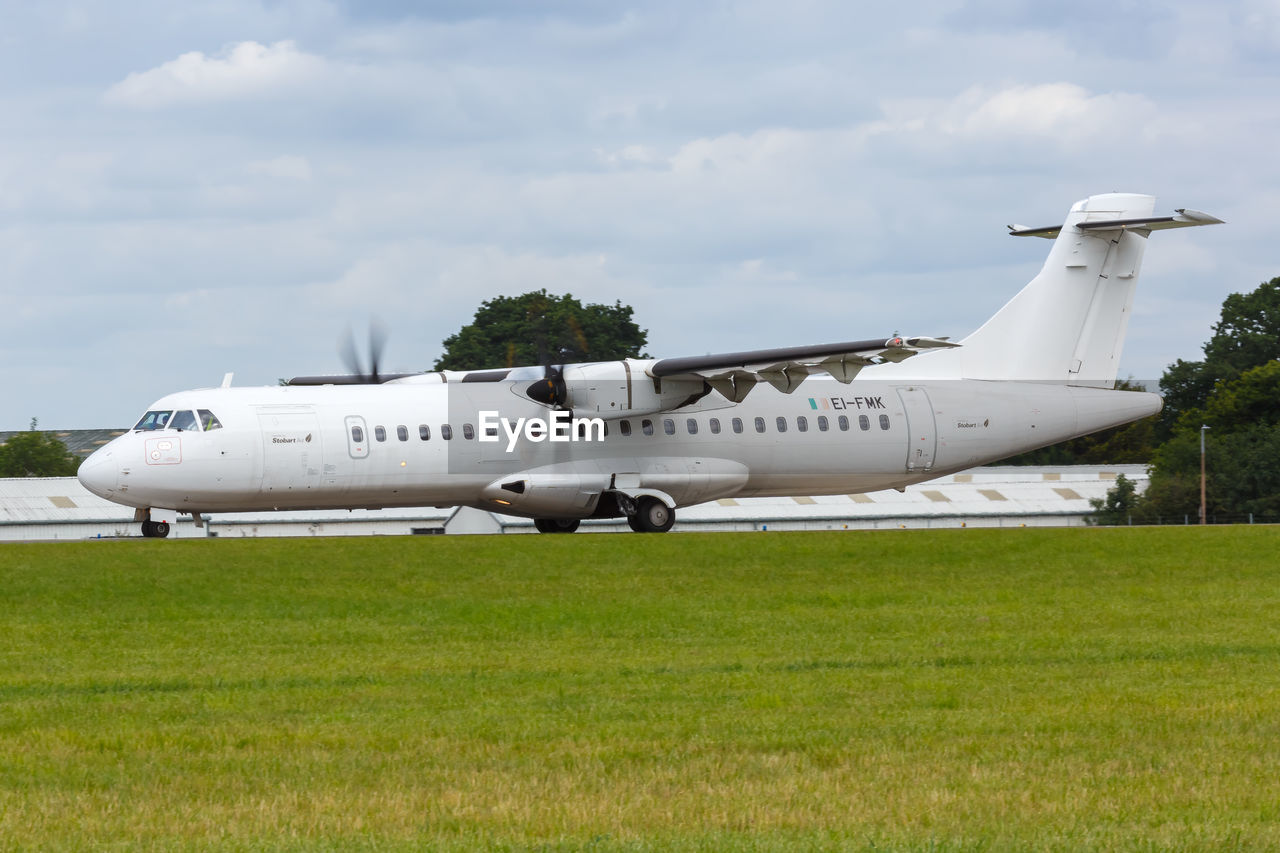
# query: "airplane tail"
[1068,324]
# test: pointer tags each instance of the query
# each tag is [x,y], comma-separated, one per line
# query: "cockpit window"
[208,420]
[182,420]
[154,420]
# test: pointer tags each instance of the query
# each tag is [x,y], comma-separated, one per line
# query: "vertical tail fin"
[1068,324]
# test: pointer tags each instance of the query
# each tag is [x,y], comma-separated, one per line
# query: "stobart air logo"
[562,426]
[843,403]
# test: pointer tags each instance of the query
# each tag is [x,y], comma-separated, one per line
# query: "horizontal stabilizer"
[1184,218]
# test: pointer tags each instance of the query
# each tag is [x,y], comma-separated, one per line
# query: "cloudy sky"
[188,189]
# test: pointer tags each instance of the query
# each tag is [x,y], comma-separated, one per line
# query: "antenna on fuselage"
[226,380]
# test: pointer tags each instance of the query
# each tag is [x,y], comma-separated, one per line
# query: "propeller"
[351,356]
[550,390]
[357,371]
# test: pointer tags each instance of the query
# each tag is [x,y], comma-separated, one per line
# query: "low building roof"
[1003,491]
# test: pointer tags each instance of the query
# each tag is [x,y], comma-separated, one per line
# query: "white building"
[1004,496]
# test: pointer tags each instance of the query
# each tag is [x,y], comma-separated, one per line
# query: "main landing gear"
[651,516]
[647,514]
[556,525]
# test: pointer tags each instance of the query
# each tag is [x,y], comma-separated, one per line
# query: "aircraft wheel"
[155,529]
[556,525]
[652,516]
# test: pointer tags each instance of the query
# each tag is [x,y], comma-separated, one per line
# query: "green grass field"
[915,690]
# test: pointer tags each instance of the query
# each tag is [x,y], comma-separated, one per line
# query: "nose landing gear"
[153,529]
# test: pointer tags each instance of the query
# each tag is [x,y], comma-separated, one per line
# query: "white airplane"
[640,438]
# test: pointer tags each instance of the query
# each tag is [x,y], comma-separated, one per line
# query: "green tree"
[1246,335]
[36,454]
[535,327]
[1242,451]
[1118,505]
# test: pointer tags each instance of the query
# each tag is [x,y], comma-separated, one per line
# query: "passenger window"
[714,423]
[864,422]
[759,424]
[402,433]
[843,422]
[823,424]
[424,432]
[380,433]
[468,432]
[357,435]
[782,424]
[183,420]
[884,422]
[668,426]
[491,432]
[647,427]
[208,420]
[737,425]
[624,427]
[446,432]
[154,420]
[692,425]
[802,423]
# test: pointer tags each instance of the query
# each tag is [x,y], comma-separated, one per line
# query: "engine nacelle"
[623,389]
[547,495]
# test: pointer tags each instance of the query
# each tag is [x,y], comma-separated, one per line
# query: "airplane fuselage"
[389,445]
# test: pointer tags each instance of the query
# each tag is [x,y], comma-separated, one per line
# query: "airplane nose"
[99,473]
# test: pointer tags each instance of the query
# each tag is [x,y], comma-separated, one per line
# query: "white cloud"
[287,167]
[736,152]
[1056,112]
[247,70]
[630,157]
[752,174]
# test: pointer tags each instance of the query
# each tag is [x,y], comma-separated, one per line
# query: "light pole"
[1203,510]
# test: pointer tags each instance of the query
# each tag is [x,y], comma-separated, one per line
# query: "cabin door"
[291,458]
[922,433]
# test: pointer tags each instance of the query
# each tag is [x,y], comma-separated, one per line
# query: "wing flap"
[734,374]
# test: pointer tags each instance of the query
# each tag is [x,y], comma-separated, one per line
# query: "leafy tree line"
[36,454]
[1235,391]
[542,328]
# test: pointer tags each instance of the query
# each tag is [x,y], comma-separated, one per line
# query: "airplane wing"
[734,374]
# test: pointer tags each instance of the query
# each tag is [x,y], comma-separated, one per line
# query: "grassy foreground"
[946,690]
